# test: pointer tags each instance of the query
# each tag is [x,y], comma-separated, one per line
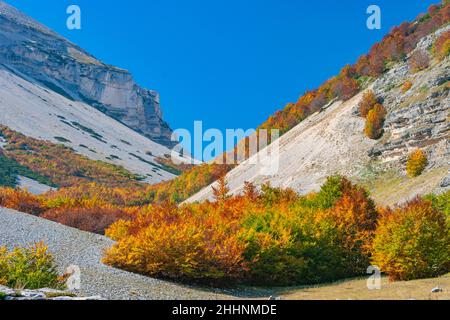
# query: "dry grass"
[357,290]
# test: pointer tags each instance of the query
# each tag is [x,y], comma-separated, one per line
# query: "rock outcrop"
[332,141]
[41,294]
[37,54]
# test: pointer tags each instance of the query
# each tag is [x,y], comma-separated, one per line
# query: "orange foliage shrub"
[199,245]
[90,194]
[356,211]
[417,162]
[412,242]
[221,190]
[119,229]
[375,121]
[441,47]
[345,221]
[257,238]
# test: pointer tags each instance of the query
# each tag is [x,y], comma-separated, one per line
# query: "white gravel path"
[73,247]
[33,186]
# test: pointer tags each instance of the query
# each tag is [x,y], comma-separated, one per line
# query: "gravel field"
[73,247]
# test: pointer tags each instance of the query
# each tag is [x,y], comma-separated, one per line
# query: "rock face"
[417,118]
[41,294]
[36,53]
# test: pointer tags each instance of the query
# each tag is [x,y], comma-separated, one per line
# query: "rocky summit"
[34,52]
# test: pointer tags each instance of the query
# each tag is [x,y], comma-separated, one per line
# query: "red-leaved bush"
[412,242]
[95,219]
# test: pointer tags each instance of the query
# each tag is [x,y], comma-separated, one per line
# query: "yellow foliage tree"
[416,163]
[375,121]
[412,242]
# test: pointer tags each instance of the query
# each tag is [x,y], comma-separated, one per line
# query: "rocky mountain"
[332,141]
[52,90]
[34,52]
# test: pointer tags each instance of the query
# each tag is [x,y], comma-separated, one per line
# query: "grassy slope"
[61,164]
[357,290]
[390,188]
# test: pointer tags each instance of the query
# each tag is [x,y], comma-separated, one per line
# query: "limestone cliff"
[332,141]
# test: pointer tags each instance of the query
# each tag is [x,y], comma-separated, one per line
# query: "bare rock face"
[37,54]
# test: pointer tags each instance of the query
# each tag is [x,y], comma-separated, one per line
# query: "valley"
[88,178]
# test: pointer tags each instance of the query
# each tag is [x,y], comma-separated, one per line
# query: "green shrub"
[329,194]
[284,250]
[29,268]
[321,238]
[440,202]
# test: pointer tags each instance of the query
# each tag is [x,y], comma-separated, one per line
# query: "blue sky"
[229,63]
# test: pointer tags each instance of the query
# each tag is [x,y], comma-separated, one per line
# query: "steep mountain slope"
[332,140]
[36,53]
[43,114]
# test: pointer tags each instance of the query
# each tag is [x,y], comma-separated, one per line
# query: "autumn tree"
[406,86]
[375,121]
[250,191]
[412,242]
[367,103]
[221,192]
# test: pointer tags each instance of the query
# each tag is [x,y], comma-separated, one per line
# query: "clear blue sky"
[229,63]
